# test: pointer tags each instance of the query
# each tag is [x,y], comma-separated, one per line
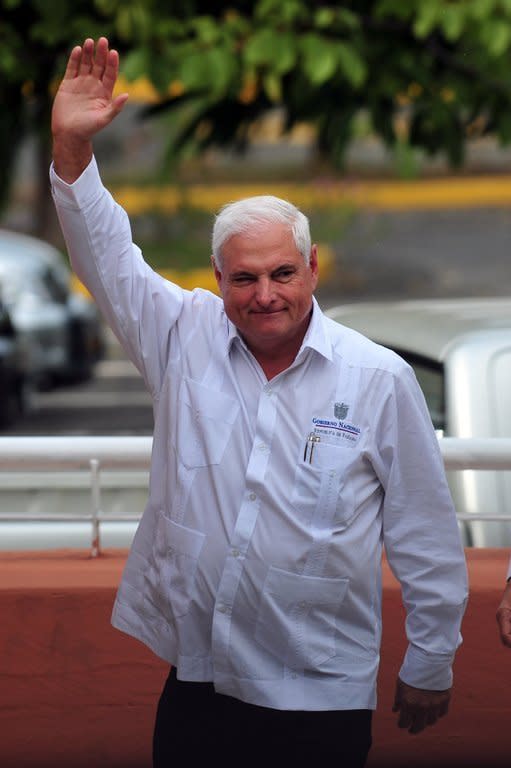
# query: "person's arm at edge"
[504,612]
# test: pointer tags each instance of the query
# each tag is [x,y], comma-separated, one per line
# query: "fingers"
[416,719]
[418,708]
[85,67]
[73,63]
[111,70]
[118,103]
[504,622]
[98,61]
[413,722]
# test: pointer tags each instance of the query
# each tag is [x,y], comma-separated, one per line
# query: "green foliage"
[429,73]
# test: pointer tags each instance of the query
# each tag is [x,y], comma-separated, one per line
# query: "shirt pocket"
[323,493]
[204,422]
[173,569]
[296,621]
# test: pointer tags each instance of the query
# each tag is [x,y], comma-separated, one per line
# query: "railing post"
[96,507]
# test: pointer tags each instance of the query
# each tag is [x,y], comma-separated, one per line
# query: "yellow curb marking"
[426,194]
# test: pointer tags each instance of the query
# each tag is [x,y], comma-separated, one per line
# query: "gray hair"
[243,215]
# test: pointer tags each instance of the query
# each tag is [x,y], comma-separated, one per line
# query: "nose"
[264,292]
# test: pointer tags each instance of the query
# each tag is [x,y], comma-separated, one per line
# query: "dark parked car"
[14,385]
[60,329]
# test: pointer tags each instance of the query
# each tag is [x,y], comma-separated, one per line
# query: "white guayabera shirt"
[257,562]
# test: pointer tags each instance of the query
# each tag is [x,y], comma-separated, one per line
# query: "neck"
[272,368]
[274,360]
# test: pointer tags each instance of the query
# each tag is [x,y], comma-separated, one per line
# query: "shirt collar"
[316,336]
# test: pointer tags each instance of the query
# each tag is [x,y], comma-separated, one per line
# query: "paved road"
[424,253]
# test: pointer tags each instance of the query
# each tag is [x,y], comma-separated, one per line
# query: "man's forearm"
[71,158]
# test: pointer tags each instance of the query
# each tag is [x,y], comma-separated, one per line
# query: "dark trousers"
[196,726]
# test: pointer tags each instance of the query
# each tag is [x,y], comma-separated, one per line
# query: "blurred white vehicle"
[60,329]
[461,352]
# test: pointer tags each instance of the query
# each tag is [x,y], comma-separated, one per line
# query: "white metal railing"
[84,453]
[129,454]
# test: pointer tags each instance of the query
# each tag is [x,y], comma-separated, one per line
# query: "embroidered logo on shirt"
[341,410]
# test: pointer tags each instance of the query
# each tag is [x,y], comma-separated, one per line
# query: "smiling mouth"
[267,311]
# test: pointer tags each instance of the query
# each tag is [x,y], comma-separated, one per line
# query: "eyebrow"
[281,268]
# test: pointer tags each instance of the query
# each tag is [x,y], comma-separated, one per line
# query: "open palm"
[84,102]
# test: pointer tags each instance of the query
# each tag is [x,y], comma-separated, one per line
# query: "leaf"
[320,58]
[270,48]
[135,64]
[426,20]
[324,18]
[285,53]
[206,29]
[323,58]
[348,19]
[281,11]
[496,36]
[352,65]
[453,21]
[260,47]
[210,70]
[482,9]
[273,88]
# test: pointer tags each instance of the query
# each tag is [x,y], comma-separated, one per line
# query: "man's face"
[267,288]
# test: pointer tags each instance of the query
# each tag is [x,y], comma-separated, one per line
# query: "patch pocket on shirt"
[204,423]
[176,553]
[322,492]
[296,621]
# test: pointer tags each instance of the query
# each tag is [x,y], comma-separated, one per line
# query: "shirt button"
[262,446]
[235,552]
[252,497]
[222,608]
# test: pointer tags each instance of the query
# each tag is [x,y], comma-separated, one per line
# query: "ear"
[218,274]
[313,264]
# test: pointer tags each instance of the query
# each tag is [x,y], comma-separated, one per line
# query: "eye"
[242,279]
[284,274]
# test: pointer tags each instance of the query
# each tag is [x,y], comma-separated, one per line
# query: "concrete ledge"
[76,693]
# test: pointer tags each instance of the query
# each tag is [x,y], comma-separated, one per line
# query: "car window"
[430,375]
[54,286]
[6,326]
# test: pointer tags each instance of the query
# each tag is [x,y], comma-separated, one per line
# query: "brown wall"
[74,692]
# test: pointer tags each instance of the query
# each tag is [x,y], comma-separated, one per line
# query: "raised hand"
[84,105]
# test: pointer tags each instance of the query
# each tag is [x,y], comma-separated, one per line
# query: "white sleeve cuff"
[80,193]
[431,672]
